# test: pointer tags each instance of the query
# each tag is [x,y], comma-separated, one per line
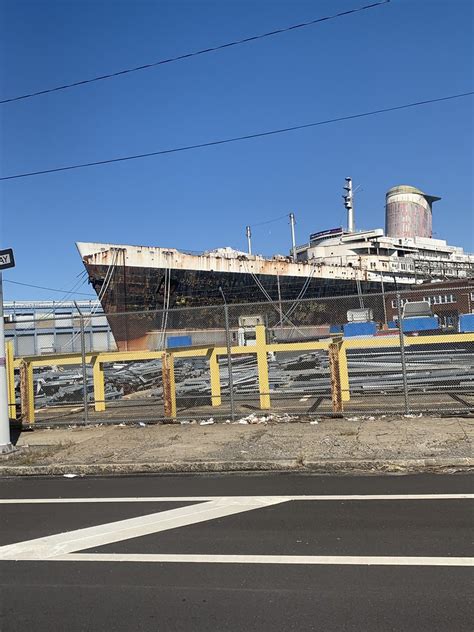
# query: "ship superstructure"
[334,262]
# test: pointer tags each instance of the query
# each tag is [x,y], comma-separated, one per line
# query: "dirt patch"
[357,439]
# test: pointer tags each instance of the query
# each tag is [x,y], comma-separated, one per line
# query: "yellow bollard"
[169,386]
[262,363]
[99,385]
[216,399]
[27,393]
[10,380]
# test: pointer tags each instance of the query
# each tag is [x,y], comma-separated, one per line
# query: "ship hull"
[134,299]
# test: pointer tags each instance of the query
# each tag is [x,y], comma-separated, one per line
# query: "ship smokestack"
[408,212]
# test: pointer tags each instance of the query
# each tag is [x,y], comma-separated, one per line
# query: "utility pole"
[293,240]
[6,261]
[248,232]
[349,204]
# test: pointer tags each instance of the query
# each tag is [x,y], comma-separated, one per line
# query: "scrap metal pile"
[290,375]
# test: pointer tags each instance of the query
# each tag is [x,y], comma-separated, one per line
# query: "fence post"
[262,364]
[99,386]
[10,380]
[27,393]
[84,368]
[334,349]
[402,354]
[216,399]
[169,387]
[229,357]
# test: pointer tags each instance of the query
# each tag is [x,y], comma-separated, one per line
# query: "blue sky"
[406,51]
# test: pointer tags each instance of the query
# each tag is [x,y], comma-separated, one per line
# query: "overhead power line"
[235,139]
[204,51]
[50,289]
[269,221]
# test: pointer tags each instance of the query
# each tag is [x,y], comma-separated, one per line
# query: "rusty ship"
[146,281]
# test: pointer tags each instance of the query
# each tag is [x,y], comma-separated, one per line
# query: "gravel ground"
[252,439]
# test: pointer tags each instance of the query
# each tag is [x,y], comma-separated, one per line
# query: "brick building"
[447,299]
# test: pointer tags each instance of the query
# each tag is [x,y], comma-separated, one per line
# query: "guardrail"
[335,347]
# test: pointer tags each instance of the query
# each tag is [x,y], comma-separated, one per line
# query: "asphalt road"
[254,552]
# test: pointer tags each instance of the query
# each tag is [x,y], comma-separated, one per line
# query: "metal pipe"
[248,232]
[293,240]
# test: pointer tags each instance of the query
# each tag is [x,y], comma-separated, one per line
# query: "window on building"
[448,320]
[25,320]
[402,302]
[63,319]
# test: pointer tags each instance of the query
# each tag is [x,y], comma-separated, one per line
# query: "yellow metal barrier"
[343,373]
[99,385]
[169,386]
[262,363]
[216,398]
[10,380]
[338,363]
[27,392]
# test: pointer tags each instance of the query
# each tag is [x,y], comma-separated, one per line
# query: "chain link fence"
[307,357]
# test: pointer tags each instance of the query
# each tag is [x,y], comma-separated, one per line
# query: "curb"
[397,466]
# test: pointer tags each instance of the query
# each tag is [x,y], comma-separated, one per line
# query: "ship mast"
[248,232]
[293,240]
[349,204]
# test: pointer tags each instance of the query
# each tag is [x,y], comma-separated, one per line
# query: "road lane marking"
[60,544]
[67,546]
[304,497]
[352,560]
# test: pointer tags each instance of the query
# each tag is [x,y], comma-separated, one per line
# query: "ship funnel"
[408,212]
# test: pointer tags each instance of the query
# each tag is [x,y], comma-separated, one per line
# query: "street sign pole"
[7,260]
[5,443]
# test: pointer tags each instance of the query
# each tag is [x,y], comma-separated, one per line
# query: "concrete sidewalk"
[255,443]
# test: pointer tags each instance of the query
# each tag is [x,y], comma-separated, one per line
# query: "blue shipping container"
[360,329]
[466,323]
[178,341]
[421,323]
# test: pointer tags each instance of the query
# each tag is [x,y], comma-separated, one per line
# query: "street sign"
[7,260]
